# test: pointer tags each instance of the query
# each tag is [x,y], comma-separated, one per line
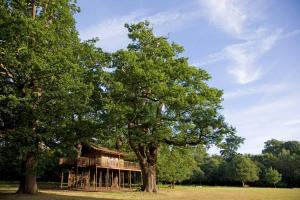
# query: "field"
[179,193]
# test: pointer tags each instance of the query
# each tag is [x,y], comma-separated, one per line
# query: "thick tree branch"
[202,139]
[6,71]
[182,143]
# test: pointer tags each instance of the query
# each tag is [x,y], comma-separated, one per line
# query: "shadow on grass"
[11,195]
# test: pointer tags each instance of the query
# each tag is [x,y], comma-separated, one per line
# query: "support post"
[96,177]
[107,178]
[94,180]
[88,182]
[96,172]
[141,178]
[81,179]
[69,179]
[100,179]
[119,178]
[76,177]
[112,178]
[130,179]
[123,179]
[62,179]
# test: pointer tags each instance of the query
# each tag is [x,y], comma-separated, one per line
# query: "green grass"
[179,193]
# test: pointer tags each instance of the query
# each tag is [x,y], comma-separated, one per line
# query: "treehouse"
[98,168]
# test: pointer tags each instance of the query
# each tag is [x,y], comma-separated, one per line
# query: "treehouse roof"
[105,150]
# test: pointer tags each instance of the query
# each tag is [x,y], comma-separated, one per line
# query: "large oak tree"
[45,81]
[160,98]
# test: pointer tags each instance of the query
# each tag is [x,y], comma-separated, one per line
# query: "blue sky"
[251,49]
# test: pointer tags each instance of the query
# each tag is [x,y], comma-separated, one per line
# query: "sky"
[251,48]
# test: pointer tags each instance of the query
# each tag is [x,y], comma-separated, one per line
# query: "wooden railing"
[66,161]
[100,162]
[84,162]
[132,165]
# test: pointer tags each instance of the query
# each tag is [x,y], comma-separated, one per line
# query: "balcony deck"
[101,163]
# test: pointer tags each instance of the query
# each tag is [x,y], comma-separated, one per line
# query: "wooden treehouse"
[99,168]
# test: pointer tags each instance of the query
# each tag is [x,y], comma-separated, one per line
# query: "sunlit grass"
[179,193]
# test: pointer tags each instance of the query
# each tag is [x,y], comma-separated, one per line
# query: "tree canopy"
[44,93]
[275,147]
[175,164]
[272,176]
[243,169]
[55,92]
[161,99]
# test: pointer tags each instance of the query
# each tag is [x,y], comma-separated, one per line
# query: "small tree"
[212,168]
[243,169]
[272,176]
[230,145]
[175,164]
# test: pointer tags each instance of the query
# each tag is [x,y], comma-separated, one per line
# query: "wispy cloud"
[113,34]
[225,14]
[244,57]
[292,123]
[256,90]
[290,34]
[232,17]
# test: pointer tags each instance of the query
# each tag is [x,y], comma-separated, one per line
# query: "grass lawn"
[180,193]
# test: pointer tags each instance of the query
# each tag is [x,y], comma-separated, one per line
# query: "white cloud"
[292,123]
[261,90]
[291,34]
[212,58]
[113,34]
[171,20]
[225,14]
[244,57]
[232,17]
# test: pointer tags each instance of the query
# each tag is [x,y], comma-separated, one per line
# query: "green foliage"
[243,169]
[289,166]
[272,176]
[161,95]
[159,98]
[275,147]
[230,146]
[175,164]
[213,169]
[283,157]
[46,83]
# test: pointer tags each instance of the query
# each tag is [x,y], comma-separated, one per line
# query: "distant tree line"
[277,166]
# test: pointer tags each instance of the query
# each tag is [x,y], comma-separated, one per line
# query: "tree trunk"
[243,183]
[147,156]
[149,178]
[28,184]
